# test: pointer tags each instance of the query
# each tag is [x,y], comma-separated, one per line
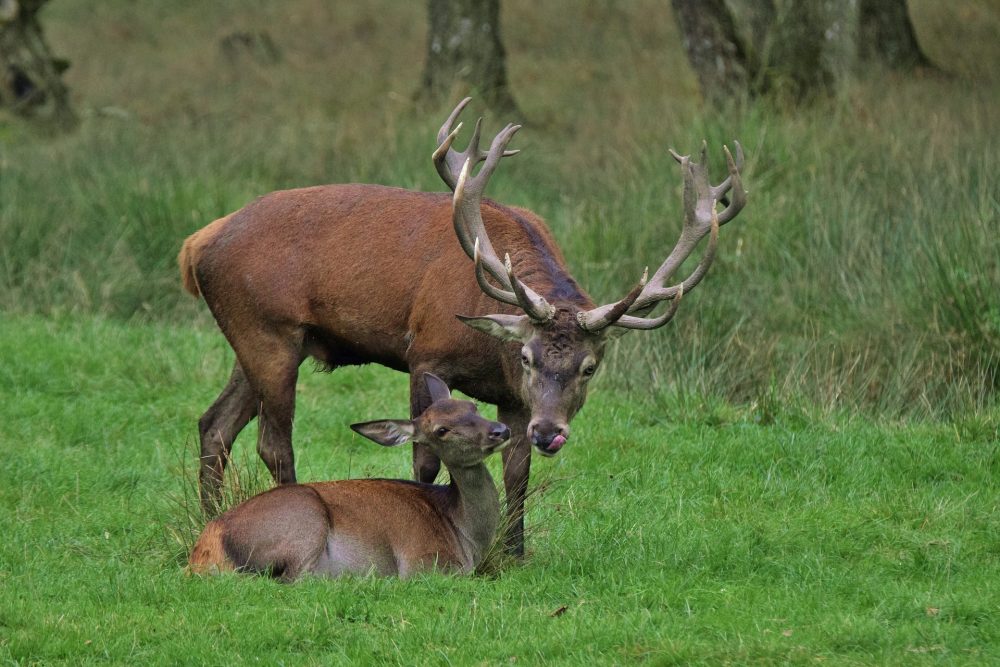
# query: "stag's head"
[557,361]
[561,343]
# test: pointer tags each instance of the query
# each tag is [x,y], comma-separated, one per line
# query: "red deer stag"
[386,526]
[354,274]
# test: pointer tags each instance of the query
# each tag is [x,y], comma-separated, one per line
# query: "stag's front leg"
[516,468]
[425,464]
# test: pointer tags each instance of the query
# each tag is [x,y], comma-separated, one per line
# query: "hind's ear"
[436,386]
[386,432]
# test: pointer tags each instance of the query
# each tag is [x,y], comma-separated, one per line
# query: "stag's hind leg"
[271,361]
[218,428]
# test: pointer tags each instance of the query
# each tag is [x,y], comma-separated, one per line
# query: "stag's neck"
[475,510]
[546,275]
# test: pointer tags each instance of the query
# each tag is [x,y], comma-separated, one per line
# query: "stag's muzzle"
[548,437]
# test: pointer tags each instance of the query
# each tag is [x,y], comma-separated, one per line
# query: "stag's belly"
[332,349]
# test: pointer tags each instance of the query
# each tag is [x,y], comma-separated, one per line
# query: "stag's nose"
[548,436]
[499,432]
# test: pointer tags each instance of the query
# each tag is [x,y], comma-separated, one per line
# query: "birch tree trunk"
[886,35]
[465,55]
[714,48]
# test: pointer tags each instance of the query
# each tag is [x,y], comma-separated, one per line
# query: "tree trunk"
[790,49]
[804,52]
[30,78]
[886,35]
[714,49]
[465,54]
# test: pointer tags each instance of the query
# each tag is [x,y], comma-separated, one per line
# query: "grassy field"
[660,536]
[802,468]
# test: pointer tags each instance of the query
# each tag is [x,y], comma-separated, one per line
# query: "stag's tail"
[209,554]
[191,251]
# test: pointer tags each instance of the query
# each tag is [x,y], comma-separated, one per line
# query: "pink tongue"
[556,444]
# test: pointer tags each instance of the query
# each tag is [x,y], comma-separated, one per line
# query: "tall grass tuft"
[184,519]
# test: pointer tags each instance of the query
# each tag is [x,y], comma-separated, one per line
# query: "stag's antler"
[700,218]
[468,219]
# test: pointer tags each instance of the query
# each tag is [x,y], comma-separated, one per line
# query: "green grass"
[680,535]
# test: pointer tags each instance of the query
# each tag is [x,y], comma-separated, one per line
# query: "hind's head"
[453,430]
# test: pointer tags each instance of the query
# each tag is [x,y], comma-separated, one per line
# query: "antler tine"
[532,303]
[646,323]
[447,161]
[471,232]
[522,296]
[700,219]
[599,318]
[467,218]
[732,183]
[488,288]
[446,128]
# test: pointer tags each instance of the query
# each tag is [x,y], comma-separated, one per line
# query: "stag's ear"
[436,386]
[386,432]
[504,327]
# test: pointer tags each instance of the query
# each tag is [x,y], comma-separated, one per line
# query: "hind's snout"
[499,433]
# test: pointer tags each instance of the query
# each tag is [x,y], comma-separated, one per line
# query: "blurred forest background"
[862,277]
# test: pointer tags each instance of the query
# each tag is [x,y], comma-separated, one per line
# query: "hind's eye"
[590,370]
[441,431]
[525,361]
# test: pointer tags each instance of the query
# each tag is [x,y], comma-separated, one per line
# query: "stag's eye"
[441,431]
[589,370]
[525,360]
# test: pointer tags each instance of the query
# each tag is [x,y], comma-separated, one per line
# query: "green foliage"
[862,275]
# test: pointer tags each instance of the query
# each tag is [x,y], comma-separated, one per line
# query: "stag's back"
[365,268]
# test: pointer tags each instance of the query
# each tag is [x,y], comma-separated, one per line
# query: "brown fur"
[352,274]
[381,526]
[190,253]
[208,555]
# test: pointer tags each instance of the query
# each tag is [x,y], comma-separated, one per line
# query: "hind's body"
[381,526]
[331,528]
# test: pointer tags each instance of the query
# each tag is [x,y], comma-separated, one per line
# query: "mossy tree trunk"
[465,55]
[886,35]
[792,50]
[805,51]
[714,48]
[31,82]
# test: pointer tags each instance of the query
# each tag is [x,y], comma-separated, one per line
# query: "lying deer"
[355,274]
[386,526]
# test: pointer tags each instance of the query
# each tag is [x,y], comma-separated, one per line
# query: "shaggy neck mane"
[540,267]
